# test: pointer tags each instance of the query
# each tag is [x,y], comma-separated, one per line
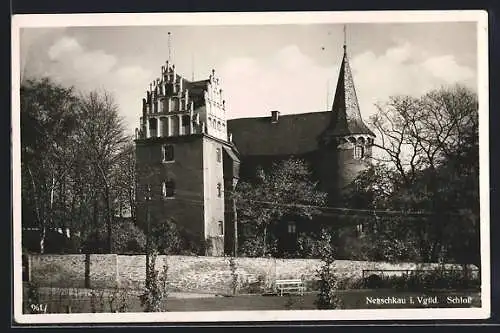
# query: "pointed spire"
[346,116]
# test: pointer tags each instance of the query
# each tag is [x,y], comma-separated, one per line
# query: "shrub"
[424,280]
[97,301]
[328,283]
[155,294]
[127,238]
[32,297]
[234,275]
[167,238]
[119,300]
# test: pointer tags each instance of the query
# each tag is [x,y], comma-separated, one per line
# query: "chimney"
[274,116]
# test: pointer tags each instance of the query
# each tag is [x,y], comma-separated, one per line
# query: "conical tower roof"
[346,117]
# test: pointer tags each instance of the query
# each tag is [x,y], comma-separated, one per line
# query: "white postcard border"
[65,20]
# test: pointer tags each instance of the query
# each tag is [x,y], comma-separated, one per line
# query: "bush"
[168,239]
[155,294]
[32,297]
[328,283]
[423,280]
[127,238]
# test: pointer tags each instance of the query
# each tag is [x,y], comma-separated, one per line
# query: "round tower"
[346,143]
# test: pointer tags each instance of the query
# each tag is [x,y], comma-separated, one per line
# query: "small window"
[153,127]
[168,153]
[218,126]
[219,190]
[185,120]
[292,227]
[219,155]
[358,152]
[168,189]
[220,228]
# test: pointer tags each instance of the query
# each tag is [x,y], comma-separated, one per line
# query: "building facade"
[182,146]
[189,155]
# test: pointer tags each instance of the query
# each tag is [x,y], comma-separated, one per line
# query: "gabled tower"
[182,151]
[346,143]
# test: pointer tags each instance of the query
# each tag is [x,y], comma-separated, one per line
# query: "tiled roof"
[346,118]
[290,135]
[300,133]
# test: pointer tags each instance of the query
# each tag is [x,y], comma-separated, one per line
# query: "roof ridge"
[281,115]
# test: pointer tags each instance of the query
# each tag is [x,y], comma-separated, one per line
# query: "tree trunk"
[43,233]
[109,219]
[264,249]
[41,222]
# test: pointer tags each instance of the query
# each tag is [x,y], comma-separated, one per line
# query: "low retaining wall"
[190,273]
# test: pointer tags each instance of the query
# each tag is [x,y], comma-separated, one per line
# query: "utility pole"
[148,231]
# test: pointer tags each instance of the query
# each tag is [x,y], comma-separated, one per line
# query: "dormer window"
[168,153]
[359,152]
[274,116]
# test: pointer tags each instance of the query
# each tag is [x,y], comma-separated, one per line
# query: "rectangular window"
[153,127]
[220,227]
[168,189]
[219,190]
[359,229]
[185,120]
[168,153]
[292,228]
[219,155]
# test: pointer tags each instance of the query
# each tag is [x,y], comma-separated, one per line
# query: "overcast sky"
[276,67]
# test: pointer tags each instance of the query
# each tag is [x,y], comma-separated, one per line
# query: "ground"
[352,299]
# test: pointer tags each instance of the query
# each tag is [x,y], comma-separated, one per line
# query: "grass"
[352,299]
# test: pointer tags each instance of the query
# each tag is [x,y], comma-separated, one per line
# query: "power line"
[334,209]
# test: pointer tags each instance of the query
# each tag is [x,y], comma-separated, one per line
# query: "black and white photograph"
[212,167]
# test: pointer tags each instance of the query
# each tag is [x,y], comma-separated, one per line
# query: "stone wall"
[69,270]
[191,273]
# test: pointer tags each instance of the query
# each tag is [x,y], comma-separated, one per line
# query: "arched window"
[359,152]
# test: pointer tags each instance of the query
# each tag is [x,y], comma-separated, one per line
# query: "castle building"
[188,154]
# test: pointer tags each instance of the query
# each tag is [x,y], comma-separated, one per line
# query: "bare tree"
[102,138]
[431,143]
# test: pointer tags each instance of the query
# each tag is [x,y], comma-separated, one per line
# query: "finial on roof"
[192,67]
[169,48]
[345,39]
